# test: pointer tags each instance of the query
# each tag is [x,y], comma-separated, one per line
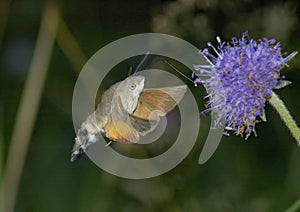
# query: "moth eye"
[132,86]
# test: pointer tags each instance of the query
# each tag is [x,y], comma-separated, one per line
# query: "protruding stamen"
[216,51]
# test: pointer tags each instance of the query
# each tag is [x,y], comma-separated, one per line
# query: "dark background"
[260,174]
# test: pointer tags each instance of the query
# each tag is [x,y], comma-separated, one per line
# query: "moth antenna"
[178,71]
[130,71]
[143,60]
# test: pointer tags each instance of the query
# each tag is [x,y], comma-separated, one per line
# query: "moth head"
[134,84]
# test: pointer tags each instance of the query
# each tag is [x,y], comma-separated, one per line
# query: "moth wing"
[121,132]
[153,103]
[143,126]
[118,128]
[160,101]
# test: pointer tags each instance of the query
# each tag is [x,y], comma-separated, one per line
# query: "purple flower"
[240,79]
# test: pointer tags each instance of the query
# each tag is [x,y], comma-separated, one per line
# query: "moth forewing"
[153,103]
[159,100]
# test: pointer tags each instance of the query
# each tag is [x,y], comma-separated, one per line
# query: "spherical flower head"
[239,80]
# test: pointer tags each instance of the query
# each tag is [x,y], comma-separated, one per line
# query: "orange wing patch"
[120,131]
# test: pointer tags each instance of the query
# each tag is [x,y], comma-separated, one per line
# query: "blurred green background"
[260,174]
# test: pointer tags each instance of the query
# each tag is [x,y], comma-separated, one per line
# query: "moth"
[126,112]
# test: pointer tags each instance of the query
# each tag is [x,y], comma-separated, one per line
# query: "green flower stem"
[29,105]
[295,207]
[278,104]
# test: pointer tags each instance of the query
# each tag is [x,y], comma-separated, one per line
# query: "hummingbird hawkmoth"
[127,111]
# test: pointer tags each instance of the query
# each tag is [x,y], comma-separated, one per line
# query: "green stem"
[295,207]
[278,104]
[29,106]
